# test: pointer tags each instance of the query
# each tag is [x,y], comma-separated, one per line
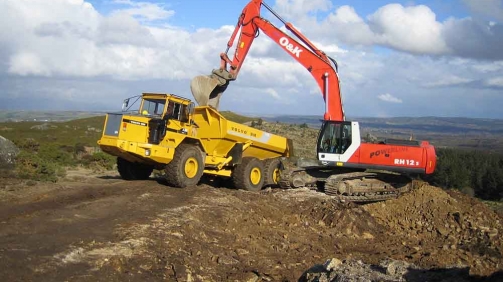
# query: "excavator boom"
[207,90]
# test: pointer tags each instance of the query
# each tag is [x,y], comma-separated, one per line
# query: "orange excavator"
[346,166]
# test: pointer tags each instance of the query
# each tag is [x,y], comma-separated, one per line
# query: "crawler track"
[360,187]
[366,187]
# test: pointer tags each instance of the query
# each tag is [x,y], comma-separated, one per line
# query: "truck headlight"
[147,152]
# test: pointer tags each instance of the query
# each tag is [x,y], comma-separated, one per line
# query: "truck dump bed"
[219,136]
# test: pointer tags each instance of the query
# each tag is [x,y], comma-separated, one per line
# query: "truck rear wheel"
[186,168]
[249,174]
[133,171]
[272,168]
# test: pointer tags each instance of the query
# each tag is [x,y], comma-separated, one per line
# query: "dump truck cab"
[138,134]
[167,132]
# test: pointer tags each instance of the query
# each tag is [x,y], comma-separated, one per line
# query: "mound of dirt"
[461,229]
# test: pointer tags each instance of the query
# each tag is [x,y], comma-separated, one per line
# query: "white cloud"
[27,63]
[88,44]
[389,98]
[273,93]
[413,29]
[345,19]
[485,67]
[123,29]
[495,82]
[448,80]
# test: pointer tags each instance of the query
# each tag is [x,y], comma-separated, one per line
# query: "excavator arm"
[207,90]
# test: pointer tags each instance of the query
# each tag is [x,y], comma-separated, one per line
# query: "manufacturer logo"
[283,41]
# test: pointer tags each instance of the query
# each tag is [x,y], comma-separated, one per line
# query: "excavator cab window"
[335,137]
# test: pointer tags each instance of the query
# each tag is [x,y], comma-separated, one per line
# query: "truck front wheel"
[133,171]
[186,168]
[249,174]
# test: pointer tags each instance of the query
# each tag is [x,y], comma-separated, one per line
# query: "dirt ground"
[97,227]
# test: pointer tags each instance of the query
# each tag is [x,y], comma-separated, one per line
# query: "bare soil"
[97,227]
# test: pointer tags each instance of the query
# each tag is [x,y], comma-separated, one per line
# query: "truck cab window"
[152,107]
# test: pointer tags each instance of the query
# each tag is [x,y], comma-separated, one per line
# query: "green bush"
[99,160]
[465,170]
[56,154]
[28,144]
[32,166]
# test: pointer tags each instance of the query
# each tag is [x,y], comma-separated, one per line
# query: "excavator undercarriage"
[347,186]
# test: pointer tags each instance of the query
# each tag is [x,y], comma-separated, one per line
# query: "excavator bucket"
[206,90]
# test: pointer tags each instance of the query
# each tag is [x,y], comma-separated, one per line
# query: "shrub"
[32,166]
[99,160]
[28,144]
[56,154]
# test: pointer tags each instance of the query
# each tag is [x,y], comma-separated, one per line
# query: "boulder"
[8,153]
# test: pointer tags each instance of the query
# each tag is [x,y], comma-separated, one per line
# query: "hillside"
[84,131]
[91,223]
[44,116]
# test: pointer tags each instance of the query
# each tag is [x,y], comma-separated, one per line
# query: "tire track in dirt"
[40,226]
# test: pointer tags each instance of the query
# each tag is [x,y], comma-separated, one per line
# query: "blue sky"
[215,13]
[396,58]
[218,12]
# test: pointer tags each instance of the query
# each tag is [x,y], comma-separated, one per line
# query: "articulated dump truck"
[168,132]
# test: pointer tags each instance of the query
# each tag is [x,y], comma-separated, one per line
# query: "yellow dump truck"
[168,132]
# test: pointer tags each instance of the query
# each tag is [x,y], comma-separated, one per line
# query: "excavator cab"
[335,139]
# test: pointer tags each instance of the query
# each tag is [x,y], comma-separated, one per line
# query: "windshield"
[152,107]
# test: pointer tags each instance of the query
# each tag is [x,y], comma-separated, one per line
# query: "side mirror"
[125,104]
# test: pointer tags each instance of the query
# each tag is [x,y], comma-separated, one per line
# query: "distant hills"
[45,116]
[429,124]
[473,133]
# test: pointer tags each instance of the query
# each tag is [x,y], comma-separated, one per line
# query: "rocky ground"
[92,227]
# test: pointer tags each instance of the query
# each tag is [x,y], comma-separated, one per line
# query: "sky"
[396,58]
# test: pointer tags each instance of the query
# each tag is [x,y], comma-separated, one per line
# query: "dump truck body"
[165,124]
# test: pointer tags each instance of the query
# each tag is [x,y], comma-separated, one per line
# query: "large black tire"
[249,174]
[133,171]
[186,168]
[272,168]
